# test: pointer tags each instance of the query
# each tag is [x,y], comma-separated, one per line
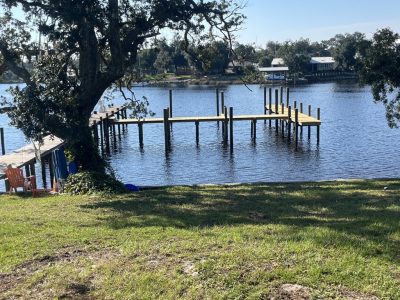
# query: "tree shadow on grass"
[358,211]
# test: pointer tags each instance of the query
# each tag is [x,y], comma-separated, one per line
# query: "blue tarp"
[60,164]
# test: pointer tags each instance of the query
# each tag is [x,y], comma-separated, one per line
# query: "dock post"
[43,169]
[217,102]
[123,117]
[222,112]
[222,102]
[309,127]
[107,134]
[119,126]
[170,103]
[296,126]
[3,148]
[283,122]
[170,106]
[254,129]
[289,122]
[226,125]
[231,126]
[276,110]
[301,111]
[166,129]
[197,132]
[265,103]
[140,125]
[113,126]
[281,95]
[319,118]
[101,134]
[251,129]
[269,103]
[287,97]
[95,133]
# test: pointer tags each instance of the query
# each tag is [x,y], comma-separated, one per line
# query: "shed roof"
[273,69]
[322,60]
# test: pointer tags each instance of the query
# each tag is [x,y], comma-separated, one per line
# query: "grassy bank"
[335,239]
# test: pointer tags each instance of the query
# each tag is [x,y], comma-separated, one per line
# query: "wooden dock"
[26,157]
[284,116]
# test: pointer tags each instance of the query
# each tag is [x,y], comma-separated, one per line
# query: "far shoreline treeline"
[164,60]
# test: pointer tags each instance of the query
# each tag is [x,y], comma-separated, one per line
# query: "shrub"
[92,183]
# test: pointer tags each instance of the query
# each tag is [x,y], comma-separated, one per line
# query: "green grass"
[340,239]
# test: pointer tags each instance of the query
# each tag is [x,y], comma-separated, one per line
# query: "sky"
[281,20]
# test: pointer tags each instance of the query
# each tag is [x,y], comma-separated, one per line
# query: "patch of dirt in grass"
[291,292]
[8,281]
[256,216]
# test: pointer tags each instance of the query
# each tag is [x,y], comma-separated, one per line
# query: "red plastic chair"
[16,180]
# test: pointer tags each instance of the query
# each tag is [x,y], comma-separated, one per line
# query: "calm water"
[355,140]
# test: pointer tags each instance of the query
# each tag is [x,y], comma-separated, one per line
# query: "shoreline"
[264,183]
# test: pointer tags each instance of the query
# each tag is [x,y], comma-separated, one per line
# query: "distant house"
[321,64]
[237,67]
[278,62]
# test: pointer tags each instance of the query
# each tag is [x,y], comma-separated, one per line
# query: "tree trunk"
[84,150]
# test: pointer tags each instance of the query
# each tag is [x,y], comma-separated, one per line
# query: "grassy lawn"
[338,240]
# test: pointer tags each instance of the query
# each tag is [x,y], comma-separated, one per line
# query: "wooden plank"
[26,155]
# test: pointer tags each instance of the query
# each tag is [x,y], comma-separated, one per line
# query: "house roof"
[278,61]
[273,69]
[322,60]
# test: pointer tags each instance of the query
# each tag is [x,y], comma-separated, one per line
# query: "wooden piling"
[319,118]
[197,132]
[282,122]
[217,100]
[251,129]
[254,129]
[123,111]
[276,109]
[106,133]
[289,121]
[101,133]
[166,129]
[231,126]
[170,103]
[309,127]
[114,132]
[226,125]
[222,102]
[3,148]
[269,103]
[287,97]
[281,95]
[140,126]
[119,126]
[301,111]
[296,126]
[265,103]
